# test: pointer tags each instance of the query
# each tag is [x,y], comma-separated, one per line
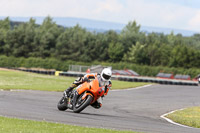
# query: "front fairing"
[96,89]
[91,87]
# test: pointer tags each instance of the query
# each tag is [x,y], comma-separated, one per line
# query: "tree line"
[131,45]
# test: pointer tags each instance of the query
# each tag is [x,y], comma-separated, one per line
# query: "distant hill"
[101,26]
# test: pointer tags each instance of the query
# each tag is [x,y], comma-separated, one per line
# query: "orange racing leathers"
[105,84]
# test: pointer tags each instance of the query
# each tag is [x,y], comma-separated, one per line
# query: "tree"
[131,34]
[115,51]
[28,39]
[19,40]
[101,47]
[45,39]
[4,28]
[136,54]
[71,43]
[184,56]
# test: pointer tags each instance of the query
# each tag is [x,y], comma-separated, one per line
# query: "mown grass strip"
[189,117]
[31,81]
[13,125]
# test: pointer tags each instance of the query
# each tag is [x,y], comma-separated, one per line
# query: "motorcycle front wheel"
[81,104]
[62,104]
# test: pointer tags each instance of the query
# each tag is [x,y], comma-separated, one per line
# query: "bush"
[153,70]
[33,63]
[52,63]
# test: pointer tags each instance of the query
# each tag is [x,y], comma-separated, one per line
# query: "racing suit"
[106,84]
[199,79]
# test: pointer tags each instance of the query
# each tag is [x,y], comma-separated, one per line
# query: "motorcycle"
[83,96]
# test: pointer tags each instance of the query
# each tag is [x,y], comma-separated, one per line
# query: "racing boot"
[98,103]
[67,91]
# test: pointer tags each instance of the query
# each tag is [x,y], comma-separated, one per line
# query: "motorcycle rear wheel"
[86,102]
[62,104]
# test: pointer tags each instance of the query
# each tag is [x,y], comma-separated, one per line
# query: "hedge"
[52,63]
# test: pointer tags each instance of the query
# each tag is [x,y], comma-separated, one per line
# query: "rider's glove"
[106,88]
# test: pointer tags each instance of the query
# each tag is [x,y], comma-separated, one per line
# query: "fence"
[116,77]
[78,68]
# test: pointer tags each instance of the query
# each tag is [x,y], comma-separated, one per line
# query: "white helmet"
[106,74]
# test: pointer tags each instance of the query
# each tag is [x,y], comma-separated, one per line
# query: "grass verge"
[31,81]
[189,117]
[13,125]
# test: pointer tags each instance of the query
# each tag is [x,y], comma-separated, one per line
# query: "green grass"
[13,125]
[30,81]
[189,117]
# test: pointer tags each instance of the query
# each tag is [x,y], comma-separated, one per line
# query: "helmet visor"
[107,77]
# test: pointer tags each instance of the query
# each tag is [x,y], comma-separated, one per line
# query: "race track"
[136,110]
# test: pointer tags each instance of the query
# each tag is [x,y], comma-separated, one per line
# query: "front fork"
[72,99]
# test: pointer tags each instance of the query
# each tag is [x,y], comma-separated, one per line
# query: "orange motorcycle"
[84,95]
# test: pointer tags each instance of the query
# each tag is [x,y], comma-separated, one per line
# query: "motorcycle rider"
[104,81]
[198,78]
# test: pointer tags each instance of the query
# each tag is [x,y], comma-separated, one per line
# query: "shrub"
[52,63]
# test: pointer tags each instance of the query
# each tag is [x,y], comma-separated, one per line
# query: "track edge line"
[136,88]
[172,122]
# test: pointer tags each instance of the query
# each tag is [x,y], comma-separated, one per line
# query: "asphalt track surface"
[136,110]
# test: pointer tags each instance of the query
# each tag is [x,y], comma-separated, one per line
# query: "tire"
[86,102]
[62,104]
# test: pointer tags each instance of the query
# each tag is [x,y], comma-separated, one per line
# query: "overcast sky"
[179,14]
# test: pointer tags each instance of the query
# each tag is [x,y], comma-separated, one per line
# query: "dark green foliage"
[145,70]
[52,63]
[4,29]
[115,51]
[53,45]
[34,63]
[72,43]
[131,34]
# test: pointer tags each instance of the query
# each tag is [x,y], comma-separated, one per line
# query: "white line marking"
[136,88]
[170,121]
